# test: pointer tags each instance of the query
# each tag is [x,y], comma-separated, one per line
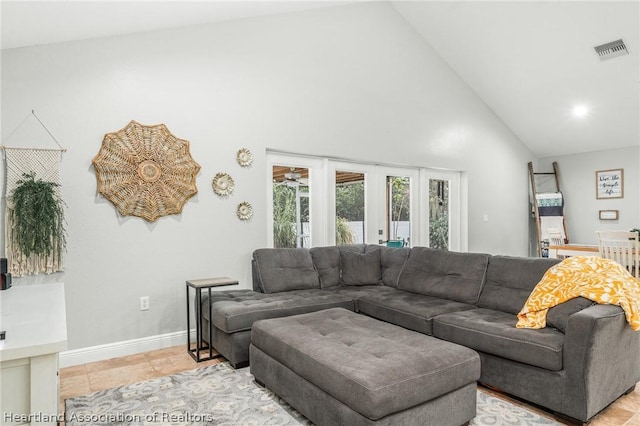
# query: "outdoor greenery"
[38,217]
[439,233]
[350,208]
[350,201]
[399,203]
[284,216]
[344,233]
[438,214]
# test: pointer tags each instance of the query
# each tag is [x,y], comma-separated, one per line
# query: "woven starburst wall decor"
[145,171]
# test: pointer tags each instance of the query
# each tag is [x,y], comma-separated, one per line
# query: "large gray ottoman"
[337,367]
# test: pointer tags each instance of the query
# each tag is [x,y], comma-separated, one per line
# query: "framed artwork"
[608,214]
[610,183]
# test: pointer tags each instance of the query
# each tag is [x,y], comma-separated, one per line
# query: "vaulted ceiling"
[531,62]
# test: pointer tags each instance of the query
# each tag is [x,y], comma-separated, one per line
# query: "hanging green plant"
[38,217]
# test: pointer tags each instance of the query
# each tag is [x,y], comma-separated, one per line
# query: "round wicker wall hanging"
[145,171]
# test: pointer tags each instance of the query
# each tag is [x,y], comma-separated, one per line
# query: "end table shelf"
[201,345]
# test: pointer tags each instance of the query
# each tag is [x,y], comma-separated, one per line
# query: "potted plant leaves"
[38,217]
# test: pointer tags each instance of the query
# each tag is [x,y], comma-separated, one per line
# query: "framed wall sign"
[608,214]
[610,183]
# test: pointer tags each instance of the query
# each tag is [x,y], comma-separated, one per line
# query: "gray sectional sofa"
[584,359]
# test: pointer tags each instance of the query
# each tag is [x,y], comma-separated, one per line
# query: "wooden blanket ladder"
[536,211]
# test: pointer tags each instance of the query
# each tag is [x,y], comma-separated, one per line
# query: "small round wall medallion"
[222,184]
[244,211]
[244,157]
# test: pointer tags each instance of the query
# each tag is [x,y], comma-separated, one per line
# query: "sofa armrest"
[601,359]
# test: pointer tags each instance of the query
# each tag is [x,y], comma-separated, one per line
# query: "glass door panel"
[439,217]
[399,207]
[442,210]
[350,207]
[398,212]
[291,224]
[349,201]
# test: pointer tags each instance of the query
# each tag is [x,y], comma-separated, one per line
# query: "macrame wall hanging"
[34,215]
[146,171]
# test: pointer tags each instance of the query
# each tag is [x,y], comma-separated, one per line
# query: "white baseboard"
[127,347]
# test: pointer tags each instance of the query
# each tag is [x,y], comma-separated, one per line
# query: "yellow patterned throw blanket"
[595,278]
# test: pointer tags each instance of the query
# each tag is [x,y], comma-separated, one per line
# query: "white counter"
[35,322]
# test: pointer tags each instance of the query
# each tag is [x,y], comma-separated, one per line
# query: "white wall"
[353,81]
[578,184]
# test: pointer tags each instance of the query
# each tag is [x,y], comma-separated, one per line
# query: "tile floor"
[88,378]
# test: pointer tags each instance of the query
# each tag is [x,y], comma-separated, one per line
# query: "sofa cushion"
[356,292]
[392,260]
[446,274]
[284,269]
[510,280]
[408,310]
[237,310]
[356,248]
[361,268]
[495,333]
[327,262]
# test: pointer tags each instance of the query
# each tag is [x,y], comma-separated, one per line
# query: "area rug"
[220,395]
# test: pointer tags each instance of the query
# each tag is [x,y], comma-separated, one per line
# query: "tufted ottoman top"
[375,368]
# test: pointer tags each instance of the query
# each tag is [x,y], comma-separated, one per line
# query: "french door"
[398,206]
[320,201]
[441,205]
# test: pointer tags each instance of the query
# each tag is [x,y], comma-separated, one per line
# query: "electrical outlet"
[144,303]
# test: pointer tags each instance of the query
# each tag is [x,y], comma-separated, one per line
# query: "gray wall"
[577,182]
[352,82]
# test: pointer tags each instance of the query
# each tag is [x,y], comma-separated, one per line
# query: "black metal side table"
[198,285]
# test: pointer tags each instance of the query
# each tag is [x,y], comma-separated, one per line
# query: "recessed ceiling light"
[580,111]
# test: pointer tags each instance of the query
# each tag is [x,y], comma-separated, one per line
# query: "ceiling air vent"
[611,50]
